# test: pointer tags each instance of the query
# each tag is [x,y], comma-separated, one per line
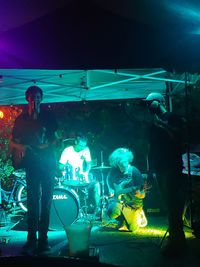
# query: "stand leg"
[163,238]
[84,208]
[103,198]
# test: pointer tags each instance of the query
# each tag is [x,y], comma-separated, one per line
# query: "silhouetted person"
[166,146]
[33,139]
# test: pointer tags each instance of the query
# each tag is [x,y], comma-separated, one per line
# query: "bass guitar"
[122,189]
[18,154]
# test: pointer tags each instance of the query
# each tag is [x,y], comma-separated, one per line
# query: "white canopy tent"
[88,85]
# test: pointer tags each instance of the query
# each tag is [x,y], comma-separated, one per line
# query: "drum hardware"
[74,178]
[75,183]
[90,207]
[65,208]
[103,203]
[66,187]
[93,163]
[82,190]
[80,187]
[58,181]
[101,167]
[84,207]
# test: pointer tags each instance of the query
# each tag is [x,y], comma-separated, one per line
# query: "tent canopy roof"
[96,49]
[80,85]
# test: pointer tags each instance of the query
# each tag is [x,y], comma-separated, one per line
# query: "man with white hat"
[166,146]
[155,96]
[156,103]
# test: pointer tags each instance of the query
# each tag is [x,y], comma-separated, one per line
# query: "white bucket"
[78,235]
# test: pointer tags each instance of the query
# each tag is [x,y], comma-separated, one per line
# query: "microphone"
[35,106]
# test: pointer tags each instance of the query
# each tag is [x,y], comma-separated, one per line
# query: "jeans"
[124,214]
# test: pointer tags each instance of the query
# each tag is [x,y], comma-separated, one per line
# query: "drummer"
[75,160]
[75,164]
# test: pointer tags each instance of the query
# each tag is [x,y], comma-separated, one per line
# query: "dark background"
[108,125]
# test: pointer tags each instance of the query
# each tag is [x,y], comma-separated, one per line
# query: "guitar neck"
[129,189]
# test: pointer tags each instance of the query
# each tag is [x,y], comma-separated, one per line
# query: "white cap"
[155,96]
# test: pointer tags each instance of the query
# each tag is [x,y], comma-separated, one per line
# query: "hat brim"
[146,100]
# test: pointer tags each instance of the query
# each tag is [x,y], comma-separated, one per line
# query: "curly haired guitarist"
[125,183]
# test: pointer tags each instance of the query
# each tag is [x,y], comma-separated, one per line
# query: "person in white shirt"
[75,164]
[75,160]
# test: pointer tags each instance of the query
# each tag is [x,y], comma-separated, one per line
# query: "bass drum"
[64,209]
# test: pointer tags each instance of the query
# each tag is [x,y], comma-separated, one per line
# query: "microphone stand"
[188,156]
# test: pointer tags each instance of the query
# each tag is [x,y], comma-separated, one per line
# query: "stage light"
[1,114]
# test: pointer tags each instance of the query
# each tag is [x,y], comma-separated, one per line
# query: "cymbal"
[75,183]
[101,167]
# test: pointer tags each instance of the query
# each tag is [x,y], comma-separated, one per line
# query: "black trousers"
[40,184]
[174,187]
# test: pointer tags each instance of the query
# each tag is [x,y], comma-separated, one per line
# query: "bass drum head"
[64,209]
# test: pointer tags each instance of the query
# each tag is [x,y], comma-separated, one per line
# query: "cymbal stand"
[84,207]
[103,197]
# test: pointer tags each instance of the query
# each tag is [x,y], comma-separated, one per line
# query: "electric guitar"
[120,189]
[18,155]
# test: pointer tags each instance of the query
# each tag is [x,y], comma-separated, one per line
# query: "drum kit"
[71,202]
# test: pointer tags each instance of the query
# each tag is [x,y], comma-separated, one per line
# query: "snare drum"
[64,209]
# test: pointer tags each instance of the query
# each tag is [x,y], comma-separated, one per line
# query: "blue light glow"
[189,13]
